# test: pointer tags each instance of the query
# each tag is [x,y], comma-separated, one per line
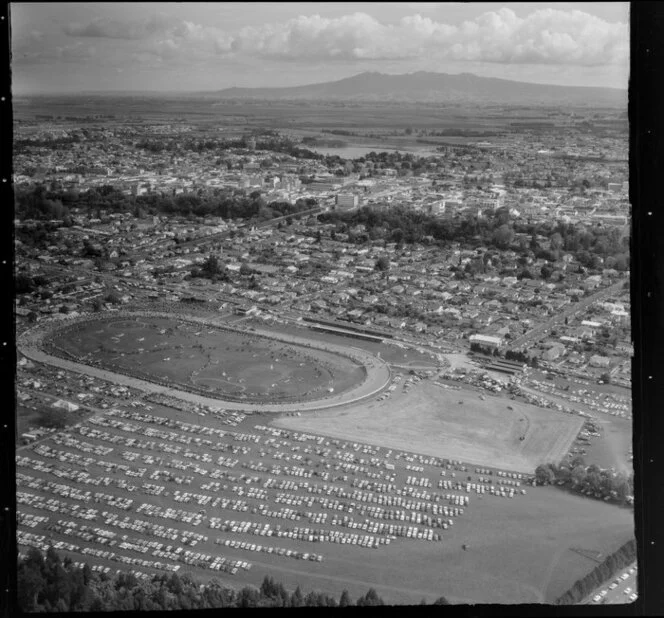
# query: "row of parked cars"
[269,549]
[628,592]
[55,506]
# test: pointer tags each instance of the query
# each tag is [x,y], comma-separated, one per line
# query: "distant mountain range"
[427,87]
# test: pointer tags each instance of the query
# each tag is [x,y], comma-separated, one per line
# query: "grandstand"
[350,328]
[504,366]
[335,330]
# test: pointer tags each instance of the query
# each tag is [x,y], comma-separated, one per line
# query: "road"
[573,309]
[225,234]
[378,372]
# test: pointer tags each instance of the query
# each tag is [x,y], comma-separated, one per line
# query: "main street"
[219,236]
[541,329]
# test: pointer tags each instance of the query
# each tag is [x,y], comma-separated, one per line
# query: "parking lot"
[217,493]
[156,492]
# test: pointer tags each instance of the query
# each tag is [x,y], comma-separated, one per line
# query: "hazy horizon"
[186,92]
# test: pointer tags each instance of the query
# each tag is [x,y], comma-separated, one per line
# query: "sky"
[134,46]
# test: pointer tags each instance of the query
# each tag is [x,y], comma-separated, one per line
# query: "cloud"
[128,30]
[75,52]
[159,38]
[33,48]
[356,36]
[545,36]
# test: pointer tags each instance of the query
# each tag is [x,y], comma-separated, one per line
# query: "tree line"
[589,480]
[48,583]
[593,247]
[269,142]
[21,145]
[38,203]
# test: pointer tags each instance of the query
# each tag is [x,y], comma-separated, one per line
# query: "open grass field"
[430,419]
[529,542]
[239,366]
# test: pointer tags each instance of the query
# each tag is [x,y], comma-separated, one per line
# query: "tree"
[245,269]
[503,236]
[23,284]
[344,600]
[578,475]
[175,584]
[313,599]
[593,479]
[546,271]
[211,266]
[441,601]
[87,574]
[622,262]
[622,489]
[268,587]
[534,245]
[296,598]
[556,241]
[544,475]
[112,297]
[30,583]
[55,418]
[248,597]
[371,598]
[474,267]
[382,264]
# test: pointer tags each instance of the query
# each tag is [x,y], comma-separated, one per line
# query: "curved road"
[378,372]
